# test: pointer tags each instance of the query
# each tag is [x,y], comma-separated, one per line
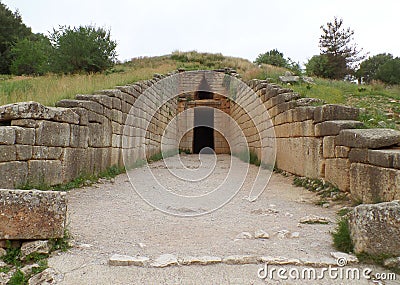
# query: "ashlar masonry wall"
[328,142]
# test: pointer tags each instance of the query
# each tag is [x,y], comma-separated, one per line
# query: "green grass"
[341,236]
[18,278]
[249,157]
[82,180]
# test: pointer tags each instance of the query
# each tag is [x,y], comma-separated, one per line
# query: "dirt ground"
[111,218]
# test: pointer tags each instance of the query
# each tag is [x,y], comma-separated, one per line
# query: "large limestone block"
[8,153]
[34,110]
[335,112]
[75,163]
[385,157]
[371,184]
[104,100]
[332,128]
[13,174]
[329,147]
[301,156]
[47,172]
[89,105]
[375,229]
[7,135]
[24,136]
[337,173]
[368,138]
[79,136]
[32,214]
[52,134]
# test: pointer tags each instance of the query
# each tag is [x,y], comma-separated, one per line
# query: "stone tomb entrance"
[203,132]
[201,121]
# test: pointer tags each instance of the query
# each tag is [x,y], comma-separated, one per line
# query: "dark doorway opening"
[201,95]
[203,132]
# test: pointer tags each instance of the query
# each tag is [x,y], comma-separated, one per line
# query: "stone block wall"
[42,145]
[328,142]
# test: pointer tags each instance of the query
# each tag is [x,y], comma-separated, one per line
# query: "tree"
[389,72]
[369,68]
[336,44]
[319,66]
[272,57]
[31,56]
[11,30]
[86,48]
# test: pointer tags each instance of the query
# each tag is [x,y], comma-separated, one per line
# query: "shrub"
[86,48]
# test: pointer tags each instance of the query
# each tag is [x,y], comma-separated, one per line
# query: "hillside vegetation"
[381,102]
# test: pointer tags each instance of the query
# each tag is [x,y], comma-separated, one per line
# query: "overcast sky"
[235,28]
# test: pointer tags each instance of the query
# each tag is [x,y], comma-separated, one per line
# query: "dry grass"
[51,88]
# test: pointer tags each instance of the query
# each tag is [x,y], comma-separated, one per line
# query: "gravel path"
[111,218]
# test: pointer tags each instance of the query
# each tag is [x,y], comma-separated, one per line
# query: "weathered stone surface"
[7,153]
[52,134]
[26,123]
[44,152]
[101,99]
[13,174]
[344,258]
[37,246]
[7,135]
[280,260]
[32,214]
[2,252]
[342,151]
[74,163]
[89,105]
[126,260]
[289,79]
[47,172]
[332,112]
[27,269]
[358,155]
[328,147]
[261,234]
[202,260]
[309,102]
[244,235]
[313,219]
[332,128]
[337,173]
[79,136]
[24,136]
[34,110]
[165,260]
[241,259]
[368,138]
[385,157]
[24,152]
[301,156]
[375,228]
[393,262]
[371,184]
[47,277]
[302,113]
